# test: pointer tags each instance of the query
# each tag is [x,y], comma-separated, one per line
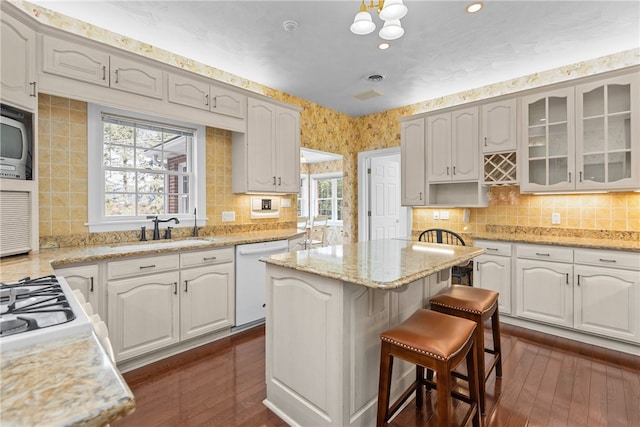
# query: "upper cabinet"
[79,62]
[18,63]
[499,126]
[197,94]
[267,158]
[607,134]
[412,160]
[452,146]
[548,141]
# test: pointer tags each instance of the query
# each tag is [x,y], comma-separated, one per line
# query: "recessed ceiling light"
[384,46]
[474,7]
[375,78]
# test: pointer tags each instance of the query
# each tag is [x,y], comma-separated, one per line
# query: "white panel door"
[464,144]
[385,197]
[494,273]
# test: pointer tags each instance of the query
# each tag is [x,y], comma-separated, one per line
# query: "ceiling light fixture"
[474,7]
[390,11]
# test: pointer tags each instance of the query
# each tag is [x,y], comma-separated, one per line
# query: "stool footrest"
[432,384]
[403,398]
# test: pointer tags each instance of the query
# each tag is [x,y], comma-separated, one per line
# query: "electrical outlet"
[286,203]
[555,218]
[444,214]
[436,214]
[228,216]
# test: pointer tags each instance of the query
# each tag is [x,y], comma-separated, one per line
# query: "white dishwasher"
[250,280]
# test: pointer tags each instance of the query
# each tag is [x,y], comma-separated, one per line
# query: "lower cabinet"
[493,271]
[85,278]
[150,311]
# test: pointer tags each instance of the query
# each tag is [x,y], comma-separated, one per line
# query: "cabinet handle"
[91,286]
[421,195]
[116,76]
[210,258]
[454,170]
[186,286]
[279,180]
[607,260]
[580,176]
[215,102]
[569,176]
[142,267]
[104,72]
[567,278]
[206,100]
[274,180]
[175,288]
[33,89]
[447,170]
[578,280]
[540,254]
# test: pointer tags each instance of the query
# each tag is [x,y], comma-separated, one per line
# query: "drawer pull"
[209,258]
[34,91]
[142,267]
[607,260]
[541,254]
[492,249]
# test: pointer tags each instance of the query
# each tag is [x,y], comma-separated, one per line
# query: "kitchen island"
[325,310]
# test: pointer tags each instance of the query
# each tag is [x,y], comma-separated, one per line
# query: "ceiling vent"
[372,93]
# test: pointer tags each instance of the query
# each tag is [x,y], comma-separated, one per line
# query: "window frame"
[313,195]
[303,195]
[97,220]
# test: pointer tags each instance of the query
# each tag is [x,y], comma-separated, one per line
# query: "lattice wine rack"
[500,169]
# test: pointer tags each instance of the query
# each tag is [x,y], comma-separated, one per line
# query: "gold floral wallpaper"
[321,129]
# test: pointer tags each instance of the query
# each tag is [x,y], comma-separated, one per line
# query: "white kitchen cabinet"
[452,146]
[207,296]
[267,158]
[18,63]
[607,144]
[86,278]
[198,94]
[412,162]
[548,141]
[84,63]
[544,284]
[143,313]
[499,126]
[607,293]
[493,271]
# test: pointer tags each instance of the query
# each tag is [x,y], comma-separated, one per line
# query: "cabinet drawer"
[608,258]
[494,248]
[213,256]
[546,253]
[136,266]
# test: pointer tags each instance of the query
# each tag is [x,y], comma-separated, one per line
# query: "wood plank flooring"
[547,381]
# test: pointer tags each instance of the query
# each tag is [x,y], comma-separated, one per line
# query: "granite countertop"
[380,264]
[42,263]
[69,381]
[549,239]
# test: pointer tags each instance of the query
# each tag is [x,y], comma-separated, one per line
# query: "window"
[303,196]
[139,166]
[327,197]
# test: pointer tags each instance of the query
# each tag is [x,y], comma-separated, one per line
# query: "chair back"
[318,232]
[320,221]
[302,222]
[439,235]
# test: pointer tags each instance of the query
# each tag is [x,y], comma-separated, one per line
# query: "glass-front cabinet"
[607,134]
[549,141]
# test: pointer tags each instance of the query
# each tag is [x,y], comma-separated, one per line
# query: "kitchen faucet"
[156,222]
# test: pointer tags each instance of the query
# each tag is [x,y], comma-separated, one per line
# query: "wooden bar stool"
[434,341]
[478,305]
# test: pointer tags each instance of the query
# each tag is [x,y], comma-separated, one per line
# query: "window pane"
[339,188]
[340,216]
[119,204]
[118,156]
[150,182]
[118,134]
[119,181]
[151,204]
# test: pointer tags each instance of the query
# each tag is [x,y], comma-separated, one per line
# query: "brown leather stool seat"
[434,341]
[478,305]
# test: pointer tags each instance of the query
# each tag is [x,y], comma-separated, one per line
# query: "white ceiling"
[444,49]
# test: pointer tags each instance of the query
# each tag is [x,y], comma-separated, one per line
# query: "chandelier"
[390,11]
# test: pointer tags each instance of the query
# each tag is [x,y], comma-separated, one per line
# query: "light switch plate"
[286,203]
[444,214]
[228,216]
[555,218]
[436,214]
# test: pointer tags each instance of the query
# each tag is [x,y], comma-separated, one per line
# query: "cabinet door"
[545,291]
[261,137]
[75,61]
[86,279]
[17,68]
[607,302]
[439,148]
[143,314]
[207,300]
[494,273]
[607,134]
[548,141]
[412,162]
[499,131]
[184,91]
[464,144]
[227,102]
[287,150]
[131,76]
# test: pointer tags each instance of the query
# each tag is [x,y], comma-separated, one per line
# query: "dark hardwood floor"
[547,381]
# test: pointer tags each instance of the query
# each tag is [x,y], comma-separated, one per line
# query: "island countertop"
[379,264]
